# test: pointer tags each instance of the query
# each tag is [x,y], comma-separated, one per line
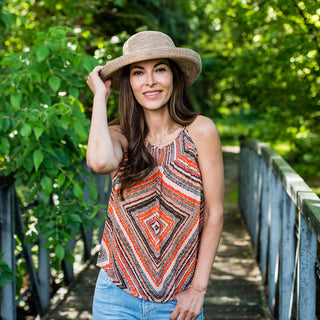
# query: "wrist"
[100,96]
[202,290]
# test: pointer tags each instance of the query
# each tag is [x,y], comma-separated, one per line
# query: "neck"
[158,122]
[160,126]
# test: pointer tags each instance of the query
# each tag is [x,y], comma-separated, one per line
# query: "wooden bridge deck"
[235,288]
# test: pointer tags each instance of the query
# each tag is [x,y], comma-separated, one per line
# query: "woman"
[165,212]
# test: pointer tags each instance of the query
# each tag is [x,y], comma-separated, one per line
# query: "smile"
[152,94]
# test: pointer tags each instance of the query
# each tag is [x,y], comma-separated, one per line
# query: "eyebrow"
[156,65]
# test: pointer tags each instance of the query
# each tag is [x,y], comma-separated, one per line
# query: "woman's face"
[152,83]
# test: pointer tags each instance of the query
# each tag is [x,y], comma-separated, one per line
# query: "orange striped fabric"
[151,238]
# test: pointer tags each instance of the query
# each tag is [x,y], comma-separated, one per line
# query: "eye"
[136,73]
[161,69]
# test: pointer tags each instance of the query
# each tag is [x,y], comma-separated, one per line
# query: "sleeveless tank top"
[151,237]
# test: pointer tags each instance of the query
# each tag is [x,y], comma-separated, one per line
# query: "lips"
[151,93]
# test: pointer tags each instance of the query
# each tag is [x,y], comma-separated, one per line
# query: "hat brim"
[188,60]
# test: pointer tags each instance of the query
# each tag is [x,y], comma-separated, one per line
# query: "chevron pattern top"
[151,238]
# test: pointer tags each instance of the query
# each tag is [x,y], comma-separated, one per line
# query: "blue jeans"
[113,303]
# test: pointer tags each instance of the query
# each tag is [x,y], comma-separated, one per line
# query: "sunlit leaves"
[54,83]
[89,63]
[42,53]
[59,251]
[46,184]
[37,158]
[16,99]
[43,129]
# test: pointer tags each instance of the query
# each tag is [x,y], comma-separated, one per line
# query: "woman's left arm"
[206,138]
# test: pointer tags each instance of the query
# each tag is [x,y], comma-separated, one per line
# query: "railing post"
[67,267]
[306,293]
[287,257]
[28,258]
[242,182]
[256,195]
[274,239]
[87,234]
[7,245]
[264,220]
[44,274]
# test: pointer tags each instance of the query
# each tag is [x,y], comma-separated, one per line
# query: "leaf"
[64,122]
[45,198]
[46,184]
[94,213]
[70,258]
[89,63]
[75,218]
[28,164]
[5,124]
[80,130]
[54,83]
[93,191]
[7,17]
[64,234]
[45,98]
[42,53]
[37,158]
[26,130]
[74,92]
[78,192]
[15,100]
[38,132]
[4,145]
[62,156]
[51,227]
[59,250]
[120,3]
[61,179]
[36,77]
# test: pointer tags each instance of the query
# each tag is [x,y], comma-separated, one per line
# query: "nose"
[150,79]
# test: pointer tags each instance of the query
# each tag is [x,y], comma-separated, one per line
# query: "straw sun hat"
[147,45]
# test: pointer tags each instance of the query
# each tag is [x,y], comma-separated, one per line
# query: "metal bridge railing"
[11,225]
[283,217]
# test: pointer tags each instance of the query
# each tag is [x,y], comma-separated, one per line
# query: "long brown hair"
[134,128]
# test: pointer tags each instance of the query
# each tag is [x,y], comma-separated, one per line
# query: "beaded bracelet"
[199,290]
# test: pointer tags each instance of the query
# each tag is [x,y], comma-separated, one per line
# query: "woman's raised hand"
[96,84]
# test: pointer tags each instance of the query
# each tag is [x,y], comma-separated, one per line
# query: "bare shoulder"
[205,136]
[203,130]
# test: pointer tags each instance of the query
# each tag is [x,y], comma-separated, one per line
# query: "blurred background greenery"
[260,58]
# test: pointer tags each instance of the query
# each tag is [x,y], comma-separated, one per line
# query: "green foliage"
[262,58]
[44,132]
[5,273]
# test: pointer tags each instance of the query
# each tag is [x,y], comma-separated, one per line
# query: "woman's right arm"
[105,145]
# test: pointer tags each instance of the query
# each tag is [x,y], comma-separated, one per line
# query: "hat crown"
[147,40]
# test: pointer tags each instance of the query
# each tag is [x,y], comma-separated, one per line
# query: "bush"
[43,136]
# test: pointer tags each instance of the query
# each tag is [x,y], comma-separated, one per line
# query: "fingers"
[94,74]
[188,306]
[174,313]
[96,84]
[183,314]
